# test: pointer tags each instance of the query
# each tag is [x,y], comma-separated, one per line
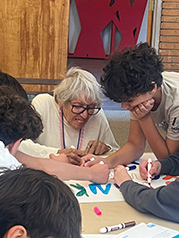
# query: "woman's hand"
[96,147]
[73,155]
[59,157]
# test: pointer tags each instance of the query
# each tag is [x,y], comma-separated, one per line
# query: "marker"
[149,166]
[92,159]
[128,168]
[116,227]
[101,162]
[117,186]
[111,174]
[134,162]
[97,211]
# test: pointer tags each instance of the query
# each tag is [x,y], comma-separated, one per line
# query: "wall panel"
[34,39]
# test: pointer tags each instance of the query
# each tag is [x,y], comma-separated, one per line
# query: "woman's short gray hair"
[78,82]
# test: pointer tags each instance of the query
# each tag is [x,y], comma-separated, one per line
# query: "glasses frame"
[85,109]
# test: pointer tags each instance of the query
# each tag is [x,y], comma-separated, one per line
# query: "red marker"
[97,211]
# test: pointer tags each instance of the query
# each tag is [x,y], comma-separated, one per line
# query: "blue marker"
[128,168]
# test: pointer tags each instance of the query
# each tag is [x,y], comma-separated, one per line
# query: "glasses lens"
[77,109]
[93,111]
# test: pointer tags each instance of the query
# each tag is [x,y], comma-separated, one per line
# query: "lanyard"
[79,143]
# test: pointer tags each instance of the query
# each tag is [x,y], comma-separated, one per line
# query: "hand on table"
[154,171]
[143,109]
[121,175]
[96,147]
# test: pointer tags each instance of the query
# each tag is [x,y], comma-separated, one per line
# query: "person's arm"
[160,147]
[170,165]
[162,201]
[99,173]
[35,149]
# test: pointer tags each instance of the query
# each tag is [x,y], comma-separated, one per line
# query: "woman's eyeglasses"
[90,110]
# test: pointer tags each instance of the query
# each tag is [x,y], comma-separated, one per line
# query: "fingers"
[74,159]
[59,157]
[143,169]
[100,173]
[155,169]
[89,148]
[142,109]
[97,147]
[91,160]
[121,174]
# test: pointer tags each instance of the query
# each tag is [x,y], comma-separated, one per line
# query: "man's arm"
[160,147]
[98,173]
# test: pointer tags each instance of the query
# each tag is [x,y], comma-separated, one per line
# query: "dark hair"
[131,72]
[18,118]
[6,79]
[41,203]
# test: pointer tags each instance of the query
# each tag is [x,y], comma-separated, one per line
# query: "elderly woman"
[73,120]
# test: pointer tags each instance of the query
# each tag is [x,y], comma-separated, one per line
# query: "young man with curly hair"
[135,78]
[18,121]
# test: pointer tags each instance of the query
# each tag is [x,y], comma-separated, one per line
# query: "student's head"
[34,204]
[18,119]
[77,90]
[132,72]
[8,80]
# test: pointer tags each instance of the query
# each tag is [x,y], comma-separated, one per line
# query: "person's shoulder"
[7,160]
[43,96]
[43,99]
[170,76]
[101,114]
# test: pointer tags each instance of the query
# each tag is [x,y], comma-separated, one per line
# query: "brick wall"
[169,35]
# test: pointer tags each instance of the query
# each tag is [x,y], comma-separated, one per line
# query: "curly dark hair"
[131,72]
[8,80]
[41,203]
[18,118]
